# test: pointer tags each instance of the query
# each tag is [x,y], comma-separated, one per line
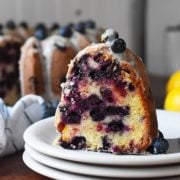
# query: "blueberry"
[11,24]
[158,146]
[65,31]
[97,74]
[78,70]
[117,110]
[83,58]
[94,75]
[109,35]
[80,27]
[78,142]
[105,143]
[23,24]
[65,144]
[73,117]
[55,26]
[107,70]
[106,94]
[94,101]
[97,114]
[118,46]
[83,104]
[63,109]
[40,26]
[131,87]
[115,126]
[98,57]
[90,24]
[40,34]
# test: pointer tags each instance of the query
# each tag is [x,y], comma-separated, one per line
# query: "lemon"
[172,101]
[174,81]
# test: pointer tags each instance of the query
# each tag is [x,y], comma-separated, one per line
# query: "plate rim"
[112,172]
[112,159]
[55,174]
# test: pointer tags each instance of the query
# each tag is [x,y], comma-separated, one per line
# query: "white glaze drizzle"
[48,48]
[73,40]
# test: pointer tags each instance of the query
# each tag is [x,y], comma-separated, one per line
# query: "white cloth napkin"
[14,120]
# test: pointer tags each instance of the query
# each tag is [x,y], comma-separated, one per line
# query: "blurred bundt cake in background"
[9,75]
[44,57]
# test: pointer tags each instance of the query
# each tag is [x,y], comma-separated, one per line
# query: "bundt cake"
[43,66]
[9,76]
[31,68]
[106,102]
[57,51]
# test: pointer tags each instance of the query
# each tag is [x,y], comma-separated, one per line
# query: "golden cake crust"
[32,73]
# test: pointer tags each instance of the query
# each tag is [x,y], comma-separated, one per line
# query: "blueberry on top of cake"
[79,38]
[106,102]
[24,25]
[55,26]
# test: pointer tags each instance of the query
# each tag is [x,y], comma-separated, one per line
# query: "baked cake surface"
[106,102]
[31,68]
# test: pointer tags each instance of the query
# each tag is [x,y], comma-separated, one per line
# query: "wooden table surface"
[13,168]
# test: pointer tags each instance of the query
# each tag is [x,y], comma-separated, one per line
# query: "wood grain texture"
[13,168]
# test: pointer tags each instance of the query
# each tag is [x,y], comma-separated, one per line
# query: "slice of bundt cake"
[106,102]
[31,68]
[43,66]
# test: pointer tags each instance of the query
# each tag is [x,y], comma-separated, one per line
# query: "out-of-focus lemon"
[172,101]
[173,82]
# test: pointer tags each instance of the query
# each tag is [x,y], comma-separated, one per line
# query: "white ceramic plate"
[104,171]
[54,173]
[41,135]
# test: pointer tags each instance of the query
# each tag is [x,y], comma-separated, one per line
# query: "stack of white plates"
[58,163]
